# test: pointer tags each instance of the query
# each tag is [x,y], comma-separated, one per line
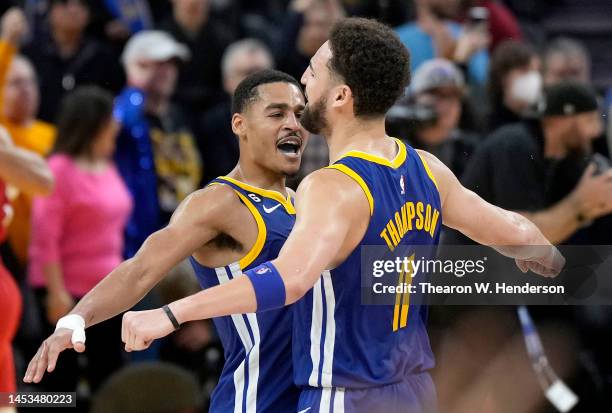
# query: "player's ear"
[238,124]
[342,95]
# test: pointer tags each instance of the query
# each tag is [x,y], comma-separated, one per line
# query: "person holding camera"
[429,116]
[524,166]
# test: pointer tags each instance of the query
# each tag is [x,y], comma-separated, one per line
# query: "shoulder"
[215,198]
[213,207]
[334,189]
[442,176]
[429,160]
[324,179]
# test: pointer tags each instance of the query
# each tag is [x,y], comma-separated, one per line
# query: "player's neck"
[356,135]
[255,176]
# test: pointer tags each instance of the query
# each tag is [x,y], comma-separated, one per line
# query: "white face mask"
[527,88]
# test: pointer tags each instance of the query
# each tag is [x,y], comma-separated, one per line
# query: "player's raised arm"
[195,222]
[509,233]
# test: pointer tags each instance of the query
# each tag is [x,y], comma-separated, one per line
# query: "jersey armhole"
[355,176]
[261,229]
[429,173]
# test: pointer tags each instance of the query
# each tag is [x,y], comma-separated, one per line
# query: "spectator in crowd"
[28,172]
[518,167]
[77,232]
[434,34]
[18,106]
[199,84]
[438,87]
[156,152]
[66,57]
[515,84]
[218,144]
[502,24]
[566,59]
[127,18]
[306,28]
[149,387]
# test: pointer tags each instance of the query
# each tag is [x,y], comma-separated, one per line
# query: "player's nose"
[292,122]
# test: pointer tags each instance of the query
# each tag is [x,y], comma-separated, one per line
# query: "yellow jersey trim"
[348,171]
[277,196]
[395,163]
[261,230]
[431,175]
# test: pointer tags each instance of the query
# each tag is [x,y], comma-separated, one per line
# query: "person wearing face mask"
[518,166]
[515,84]
[156,154]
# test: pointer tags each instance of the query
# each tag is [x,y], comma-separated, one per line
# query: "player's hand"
[593,194]
[45,358]
[140,328]
[546,261]
[13,26]
[471,41]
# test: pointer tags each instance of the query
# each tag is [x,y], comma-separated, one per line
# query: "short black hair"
[246,92]
[373,62]
[82,115]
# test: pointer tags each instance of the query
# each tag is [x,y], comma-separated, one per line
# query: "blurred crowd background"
[115,110]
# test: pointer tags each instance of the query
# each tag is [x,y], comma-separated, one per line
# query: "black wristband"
[171,316]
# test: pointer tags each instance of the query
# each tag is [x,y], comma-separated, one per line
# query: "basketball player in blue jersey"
[237,222]
[348,357]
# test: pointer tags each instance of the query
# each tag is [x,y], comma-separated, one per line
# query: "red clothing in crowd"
[502,23]
[10,306]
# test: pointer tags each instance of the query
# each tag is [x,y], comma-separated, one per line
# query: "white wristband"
[73,322]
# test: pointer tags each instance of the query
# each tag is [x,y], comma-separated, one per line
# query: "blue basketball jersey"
[257,376]
[337,341]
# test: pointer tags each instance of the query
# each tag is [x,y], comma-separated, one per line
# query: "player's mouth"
[290,145]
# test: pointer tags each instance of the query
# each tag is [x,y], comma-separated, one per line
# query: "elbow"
[295,288]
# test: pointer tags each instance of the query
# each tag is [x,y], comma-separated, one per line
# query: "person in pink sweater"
[77,232]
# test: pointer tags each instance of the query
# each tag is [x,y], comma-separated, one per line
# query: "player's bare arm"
[324,235]
[24,169]
[513,235]
[199,219]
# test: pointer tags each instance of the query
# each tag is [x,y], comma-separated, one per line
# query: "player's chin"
[291,170]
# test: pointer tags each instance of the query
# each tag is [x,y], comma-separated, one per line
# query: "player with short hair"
[235,223]
[356,361]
